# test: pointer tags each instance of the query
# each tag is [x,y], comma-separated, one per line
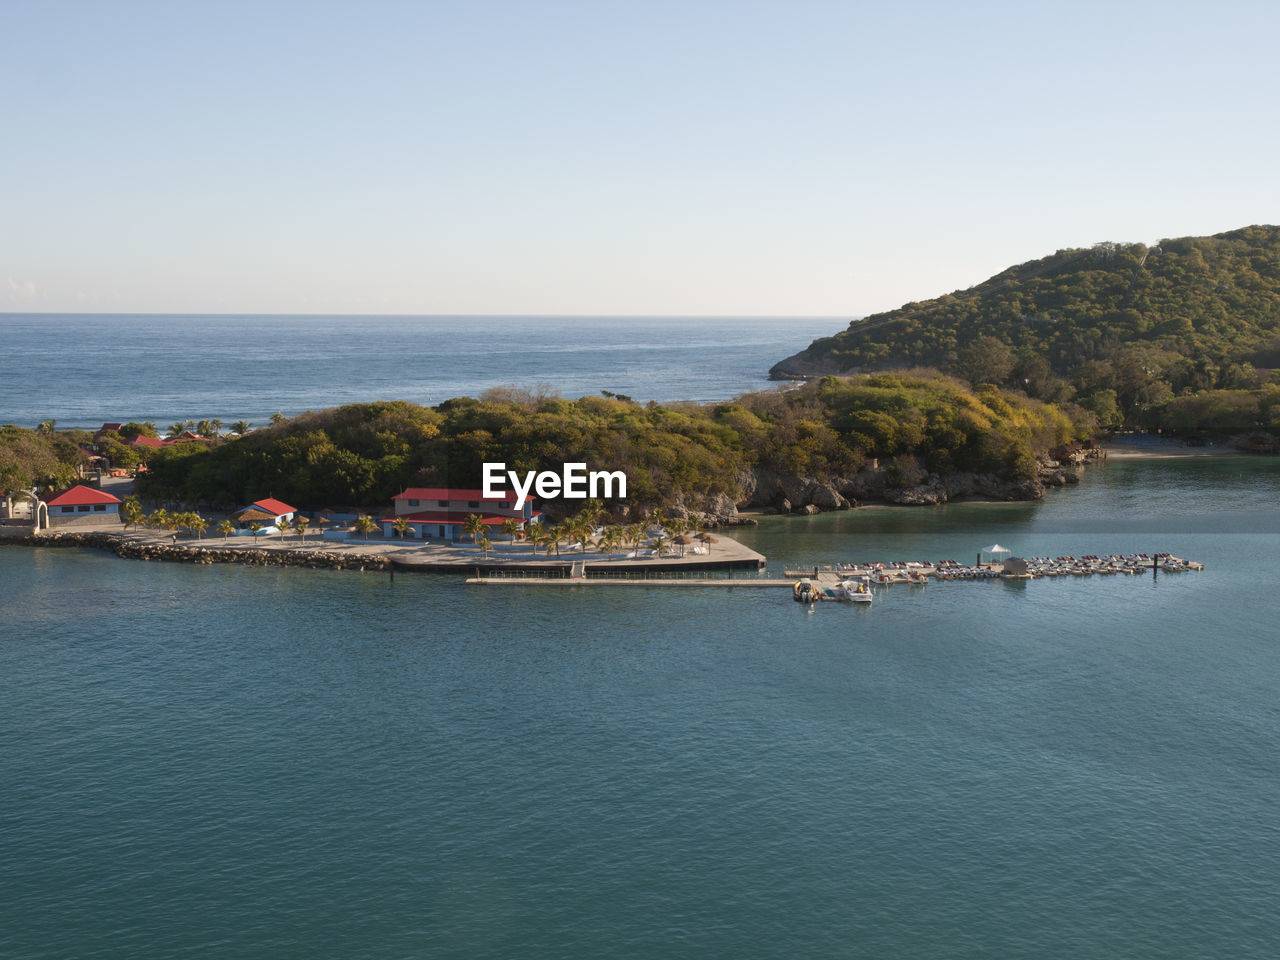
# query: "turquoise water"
[84,369]
[289,763]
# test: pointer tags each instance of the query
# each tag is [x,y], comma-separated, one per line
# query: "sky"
[798,158]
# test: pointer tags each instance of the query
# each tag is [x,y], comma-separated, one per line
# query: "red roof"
[80,495]
[450,517]
[141,441]
[450,493]
[273,507]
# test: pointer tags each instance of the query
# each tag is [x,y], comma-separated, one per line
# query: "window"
[413,503]
[83,508]
[473,503]
[99,507]
[442,503]
[68,509]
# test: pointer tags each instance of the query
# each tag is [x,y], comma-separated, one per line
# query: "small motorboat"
[854,591]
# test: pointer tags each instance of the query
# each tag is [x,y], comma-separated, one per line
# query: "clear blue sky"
[788,158]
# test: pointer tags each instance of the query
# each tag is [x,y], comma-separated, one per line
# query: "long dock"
[748,582]
[878,575]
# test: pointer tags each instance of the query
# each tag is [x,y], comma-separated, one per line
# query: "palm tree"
[225,527]
[176,428]
[474,527]
[300,525]
[158,519]
[659,543]
[198,524]
[254,527]
[485,544]
[283,526]
[131,512]
[610,539]
[510,527]
[365,524]
[215,428]
[241,427]
[401,527]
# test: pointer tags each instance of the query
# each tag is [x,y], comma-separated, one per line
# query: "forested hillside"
[1120,328]
[363,454]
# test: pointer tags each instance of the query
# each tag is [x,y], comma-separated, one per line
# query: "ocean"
[234,761]
[281,763]
[81,370]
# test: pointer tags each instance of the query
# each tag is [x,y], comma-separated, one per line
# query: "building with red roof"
[81,504]
[265,512]
[441,512]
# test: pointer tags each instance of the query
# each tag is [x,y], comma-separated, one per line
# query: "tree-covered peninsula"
[863,435]
[1183,335]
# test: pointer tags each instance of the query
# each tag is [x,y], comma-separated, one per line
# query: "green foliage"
[43,458]
[1186,316]
[361,455]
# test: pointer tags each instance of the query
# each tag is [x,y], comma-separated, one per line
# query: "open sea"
[84,369]
[286,763]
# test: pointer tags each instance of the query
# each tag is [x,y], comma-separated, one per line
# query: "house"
[81,504]
[441,512]
[113,427]
[265,513]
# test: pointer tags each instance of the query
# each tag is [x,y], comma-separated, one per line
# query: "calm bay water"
[82,370]
[289,763]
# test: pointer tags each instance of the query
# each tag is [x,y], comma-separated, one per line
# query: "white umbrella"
[996,548]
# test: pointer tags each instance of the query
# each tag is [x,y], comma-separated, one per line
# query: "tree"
[474,526]
[197,524]
[278,418]
[365,524]
[659,543]
[283,526]
[225,527]
[300,526]
[401,527]
[485,544]
[986,360]
[510,527]
[254,527]
[131,512]
[176,428]
[241,427]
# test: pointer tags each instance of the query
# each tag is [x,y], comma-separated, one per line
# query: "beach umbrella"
[708,539]
[684,540]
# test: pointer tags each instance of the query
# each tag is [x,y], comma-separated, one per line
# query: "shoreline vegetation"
[1181,338]
[908,437]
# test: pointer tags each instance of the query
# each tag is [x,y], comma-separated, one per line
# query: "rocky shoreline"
[131,549]
[767,493]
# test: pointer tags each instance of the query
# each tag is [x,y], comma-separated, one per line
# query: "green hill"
[1124,324]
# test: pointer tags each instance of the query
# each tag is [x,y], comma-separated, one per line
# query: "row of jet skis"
[846,591]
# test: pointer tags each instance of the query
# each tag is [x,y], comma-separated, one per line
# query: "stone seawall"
[197,552]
